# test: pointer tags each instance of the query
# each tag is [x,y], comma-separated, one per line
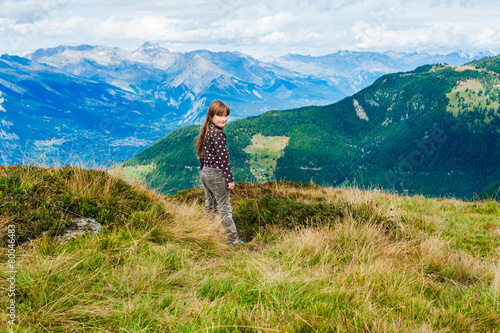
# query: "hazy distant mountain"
[67,117]
[130,71]
[353,71]
[181,85]
[248,85]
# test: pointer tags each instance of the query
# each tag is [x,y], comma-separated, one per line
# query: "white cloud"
[277,37]
[136,28]
[440,36]
[450,3]
[50,28]
[265,27]
[29,11]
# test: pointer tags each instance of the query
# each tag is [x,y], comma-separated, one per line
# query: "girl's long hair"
[218,108]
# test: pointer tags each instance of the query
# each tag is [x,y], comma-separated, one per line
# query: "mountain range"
[105,104]
[433,131]
[180,85]
[47,114]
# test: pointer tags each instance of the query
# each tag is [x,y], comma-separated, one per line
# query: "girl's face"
[220,121]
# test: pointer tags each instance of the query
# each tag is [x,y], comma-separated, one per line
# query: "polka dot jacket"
[215,153]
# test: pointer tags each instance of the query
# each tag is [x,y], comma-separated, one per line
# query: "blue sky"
[258,28]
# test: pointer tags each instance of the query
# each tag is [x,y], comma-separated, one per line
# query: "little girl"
[216,174]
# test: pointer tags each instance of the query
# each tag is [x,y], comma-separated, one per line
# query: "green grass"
[44,200]
[472,94]
[265,152]
[318,260]
[137,173]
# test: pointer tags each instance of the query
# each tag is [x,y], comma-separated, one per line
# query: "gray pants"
[217,197]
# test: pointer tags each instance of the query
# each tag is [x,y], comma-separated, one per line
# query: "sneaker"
[238,241]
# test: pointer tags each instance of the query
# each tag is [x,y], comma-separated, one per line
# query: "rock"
[80,226]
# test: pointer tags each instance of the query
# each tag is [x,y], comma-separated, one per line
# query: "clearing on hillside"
[137,173]
[264,153]
[474,96]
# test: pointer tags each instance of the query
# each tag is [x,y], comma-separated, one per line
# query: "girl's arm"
[223,155]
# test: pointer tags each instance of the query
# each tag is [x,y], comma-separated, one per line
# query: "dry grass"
[432,266]
[495,284]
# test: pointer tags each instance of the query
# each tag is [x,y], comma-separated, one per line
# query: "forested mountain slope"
[433,131]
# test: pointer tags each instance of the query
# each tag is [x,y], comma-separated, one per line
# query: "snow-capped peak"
[64,55]
[154,54]
[149,45]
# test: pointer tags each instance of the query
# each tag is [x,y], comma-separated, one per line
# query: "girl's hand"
[230,186]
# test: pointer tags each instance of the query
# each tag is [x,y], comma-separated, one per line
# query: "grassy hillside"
[319,259]
[434,131]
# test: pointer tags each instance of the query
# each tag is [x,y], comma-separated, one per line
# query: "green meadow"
[264,153]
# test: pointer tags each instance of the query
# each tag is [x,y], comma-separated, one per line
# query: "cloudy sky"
[258,28]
